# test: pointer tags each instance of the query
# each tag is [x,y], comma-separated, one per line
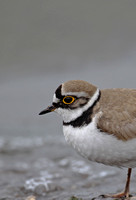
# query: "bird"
[99,124]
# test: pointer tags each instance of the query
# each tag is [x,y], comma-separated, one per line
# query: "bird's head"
[72,98]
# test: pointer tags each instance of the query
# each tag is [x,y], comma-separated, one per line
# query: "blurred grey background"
[42,44]
[46,42]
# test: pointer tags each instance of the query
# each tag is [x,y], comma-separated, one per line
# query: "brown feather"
[118,107]
[79,86]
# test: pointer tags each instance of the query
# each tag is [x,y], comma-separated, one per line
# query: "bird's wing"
[121,124]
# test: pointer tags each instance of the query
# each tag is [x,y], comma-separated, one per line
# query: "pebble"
[30,198]
[40,189]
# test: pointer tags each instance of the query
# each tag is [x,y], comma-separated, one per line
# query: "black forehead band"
[58,92]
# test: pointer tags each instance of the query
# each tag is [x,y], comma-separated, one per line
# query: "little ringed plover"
[99,124]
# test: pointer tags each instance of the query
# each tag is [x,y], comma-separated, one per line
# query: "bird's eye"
[68,100]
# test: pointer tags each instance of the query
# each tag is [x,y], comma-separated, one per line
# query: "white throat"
[69,115]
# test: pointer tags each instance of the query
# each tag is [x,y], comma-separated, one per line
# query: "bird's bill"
[47,110]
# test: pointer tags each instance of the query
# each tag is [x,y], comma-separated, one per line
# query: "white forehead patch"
[55,99]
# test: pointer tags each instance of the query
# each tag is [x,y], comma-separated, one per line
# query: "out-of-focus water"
[49,169]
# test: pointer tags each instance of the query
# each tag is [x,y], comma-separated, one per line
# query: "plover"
[99,124]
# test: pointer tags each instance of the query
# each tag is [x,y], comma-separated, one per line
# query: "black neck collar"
[86,116]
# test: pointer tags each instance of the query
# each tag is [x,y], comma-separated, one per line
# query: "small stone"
[40,189]
[31,198]
[64,163]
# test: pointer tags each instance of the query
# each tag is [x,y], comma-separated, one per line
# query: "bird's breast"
[101,147]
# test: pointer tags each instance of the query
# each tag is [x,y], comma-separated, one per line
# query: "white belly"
[101,147]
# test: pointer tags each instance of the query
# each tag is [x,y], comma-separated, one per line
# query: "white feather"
[101,147]
[55,99]
[77,94]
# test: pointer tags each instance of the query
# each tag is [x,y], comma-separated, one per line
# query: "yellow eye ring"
[68,100]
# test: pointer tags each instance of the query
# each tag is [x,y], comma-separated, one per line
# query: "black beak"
[47,110]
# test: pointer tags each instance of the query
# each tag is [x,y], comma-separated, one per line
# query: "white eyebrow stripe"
[77,94]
